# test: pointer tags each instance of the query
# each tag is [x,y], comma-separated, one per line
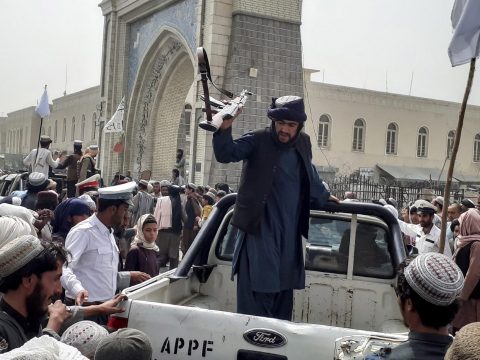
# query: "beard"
[34,304]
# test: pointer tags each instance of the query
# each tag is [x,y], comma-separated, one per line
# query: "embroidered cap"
[85,336]
[17,253]
[435,278]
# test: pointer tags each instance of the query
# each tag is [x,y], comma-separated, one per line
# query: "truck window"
[328,248]
[227,239]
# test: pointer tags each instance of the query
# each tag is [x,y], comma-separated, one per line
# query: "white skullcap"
[84,336]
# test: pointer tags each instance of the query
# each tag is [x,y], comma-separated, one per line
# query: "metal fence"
[368,190]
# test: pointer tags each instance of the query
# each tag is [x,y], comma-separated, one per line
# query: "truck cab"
[348,307]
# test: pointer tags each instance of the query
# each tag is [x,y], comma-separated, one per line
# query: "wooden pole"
[38,144]
[458,134]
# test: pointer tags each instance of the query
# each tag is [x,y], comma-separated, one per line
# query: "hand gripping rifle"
[222,111]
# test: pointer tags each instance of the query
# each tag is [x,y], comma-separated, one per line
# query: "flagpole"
[458,134]
[38,142]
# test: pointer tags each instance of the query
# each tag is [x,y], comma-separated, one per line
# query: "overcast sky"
[372,44]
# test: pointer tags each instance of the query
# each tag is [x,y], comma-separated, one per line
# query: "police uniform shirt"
[94,265]
[424,242]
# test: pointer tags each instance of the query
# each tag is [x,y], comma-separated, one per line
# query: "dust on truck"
[347,309]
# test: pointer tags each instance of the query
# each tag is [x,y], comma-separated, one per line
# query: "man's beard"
[34,303]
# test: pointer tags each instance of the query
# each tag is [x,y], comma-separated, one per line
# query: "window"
[49,132]
[82,129]
[64,129]
[450,142]
[323,128]
[391,145]
[72,135]
[476,148]
[358,135]
[188,116]
[94,125]
[327,247]
[422,142]
[55,133]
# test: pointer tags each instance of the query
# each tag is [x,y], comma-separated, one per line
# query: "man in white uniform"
[44,158]
[93,275]
[426,234]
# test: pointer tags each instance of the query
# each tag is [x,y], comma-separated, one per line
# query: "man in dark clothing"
[192,210]
[70,163]
[278,186]
[36,182]
[427,289]
[29,279]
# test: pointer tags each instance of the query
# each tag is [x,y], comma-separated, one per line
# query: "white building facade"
[381,134]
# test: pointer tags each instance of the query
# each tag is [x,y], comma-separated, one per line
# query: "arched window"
[391,145]
[64,138]
[72,135]
[82,129]
[55,131]
[188,117]
[450,142]
[358,135]
[94,125]
[476,148]
[323,131]
[422,142]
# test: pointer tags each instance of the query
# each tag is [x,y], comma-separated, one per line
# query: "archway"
[156,105]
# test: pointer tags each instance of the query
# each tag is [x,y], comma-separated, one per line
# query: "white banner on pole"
[43,108]
[115,124]
[465,44]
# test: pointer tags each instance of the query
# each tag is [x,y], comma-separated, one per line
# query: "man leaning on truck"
[277,187]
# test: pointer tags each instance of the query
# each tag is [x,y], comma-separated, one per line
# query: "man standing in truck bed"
[277,188]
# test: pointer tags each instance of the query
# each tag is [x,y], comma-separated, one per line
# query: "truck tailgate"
[182,332]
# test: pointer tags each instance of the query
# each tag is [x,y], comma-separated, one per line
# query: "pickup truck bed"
[345,310]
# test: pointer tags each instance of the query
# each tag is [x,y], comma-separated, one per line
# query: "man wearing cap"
[28,281]
[427,289]
[92,276]
[142,202]
[192,211]
[36,183]
[70,163]
[44,160]
[427,234]
[467,204]
[277,170]
[86,165]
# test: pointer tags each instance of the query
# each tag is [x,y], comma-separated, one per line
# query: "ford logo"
[265,338]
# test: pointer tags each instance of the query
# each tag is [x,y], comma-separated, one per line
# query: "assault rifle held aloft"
[223,110]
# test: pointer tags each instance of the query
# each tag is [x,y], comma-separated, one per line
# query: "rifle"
[223,110]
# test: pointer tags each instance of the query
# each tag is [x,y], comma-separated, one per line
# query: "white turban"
[88,199]
[12,227]
[44,348]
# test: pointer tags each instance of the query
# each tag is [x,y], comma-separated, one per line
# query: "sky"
[371,44]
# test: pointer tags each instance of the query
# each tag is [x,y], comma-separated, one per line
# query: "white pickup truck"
[347,309]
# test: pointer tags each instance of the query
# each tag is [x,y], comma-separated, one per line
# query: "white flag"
[43,108]
[115,124]
[465,44]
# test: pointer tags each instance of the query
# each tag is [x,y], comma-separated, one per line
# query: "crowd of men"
[63,262]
